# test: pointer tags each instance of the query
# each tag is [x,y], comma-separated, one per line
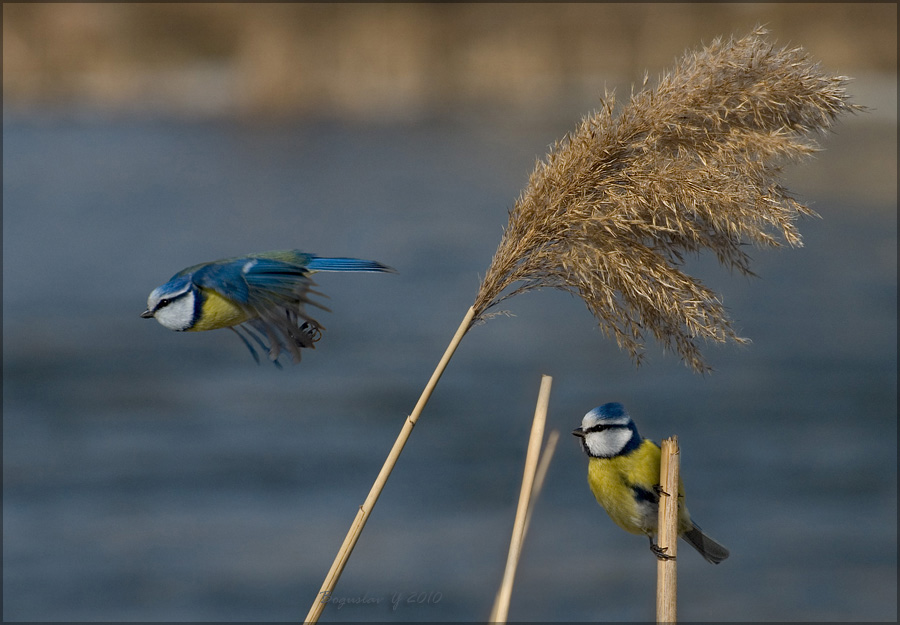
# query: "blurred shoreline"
[401,61]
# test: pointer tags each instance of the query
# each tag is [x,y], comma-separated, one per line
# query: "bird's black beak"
[578,432]
[147,314]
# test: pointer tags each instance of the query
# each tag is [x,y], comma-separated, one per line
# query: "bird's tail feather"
[711,550]
[318,263]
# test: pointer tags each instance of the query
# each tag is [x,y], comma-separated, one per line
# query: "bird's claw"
[311,331]
[660,552]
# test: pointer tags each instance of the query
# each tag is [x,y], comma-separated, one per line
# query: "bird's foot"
[311,333]
[660,552]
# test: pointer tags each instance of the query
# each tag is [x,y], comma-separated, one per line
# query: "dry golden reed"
[690,165]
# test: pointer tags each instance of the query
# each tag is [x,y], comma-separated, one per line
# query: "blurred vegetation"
[391,60]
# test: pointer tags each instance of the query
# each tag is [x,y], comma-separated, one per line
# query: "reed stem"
[546,457]
[666,572]
[500,610]
[343,555]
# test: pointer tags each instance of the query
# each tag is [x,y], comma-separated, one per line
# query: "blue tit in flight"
[262,295]
[623,473]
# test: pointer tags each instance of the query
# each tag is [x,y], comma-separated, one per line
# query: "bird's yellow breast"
[612,480]
[218,312]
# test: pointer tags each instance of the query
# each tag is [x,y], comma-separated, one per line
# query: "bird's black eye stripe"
[601,427]
[163,302]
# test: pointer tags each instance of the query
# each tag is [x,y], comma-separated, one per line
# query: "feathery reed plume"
[692,164]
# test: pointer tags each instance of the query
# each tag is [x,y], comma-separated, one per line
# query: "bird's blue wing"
[277,282]
[277,292]
[274,288]
[642,494]
[254,282]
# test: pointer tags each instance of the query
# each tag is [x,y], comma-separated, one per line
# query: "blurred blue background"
[157,476]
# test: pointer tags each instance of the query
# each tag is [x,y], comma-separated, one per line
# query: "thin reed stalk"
[667,539]
[690,165]
[359,522]
[527,494]
[546,458]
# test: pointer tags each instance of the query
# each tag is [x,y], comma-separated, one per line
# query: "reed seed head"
[691,164]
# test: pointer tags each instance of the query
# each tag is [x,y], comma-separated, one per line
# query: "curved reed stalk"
[690,165]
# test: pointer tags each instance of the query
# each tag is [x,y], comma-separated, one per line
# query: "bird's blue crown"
[609,416]
[611,411]
[176,286]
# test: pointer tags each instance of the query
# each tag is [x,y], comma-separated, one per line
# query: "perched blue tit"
[262,295]
[623,473]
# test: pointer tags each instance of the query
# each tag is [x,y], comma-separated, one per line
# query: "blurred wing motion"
[262,297]
[276,287]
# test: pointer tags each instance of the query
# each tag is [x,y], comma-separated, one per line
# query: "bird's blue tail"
[708,548]
[318,263]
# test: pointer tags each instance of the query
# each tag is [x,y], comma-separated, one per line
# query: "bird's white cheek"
[608,443]
[178,315]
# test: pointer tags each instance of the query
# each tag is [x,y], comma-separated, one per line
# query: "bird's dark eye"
[162,302]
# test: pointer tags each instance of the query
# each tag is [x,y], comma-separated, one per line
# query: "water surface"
[153,476]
